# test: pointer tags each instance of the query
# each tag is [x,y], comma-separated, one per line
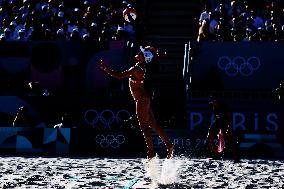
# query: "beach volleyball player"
[144,113]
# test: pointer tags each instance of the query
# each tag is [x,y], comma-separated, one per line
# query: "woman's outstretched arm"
[118,75]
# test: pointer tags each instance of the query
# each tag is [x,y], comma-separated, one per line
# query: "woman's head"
[145,55]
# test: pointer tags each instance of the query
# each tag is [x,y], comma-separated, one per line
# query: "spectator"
[259,35]
[257,20]
[94,31]
[277,34]
[21,35]
[7,33]
[19,26]
[235,9]
[222,124]
[222,30]
[28,30]
[2,37]
[214,18]
[205,14]
[60,35]
[233,34]
[204,31]
[86,37]
[74,35]
[244,21]
[248,36]
[42,20]
[12,27]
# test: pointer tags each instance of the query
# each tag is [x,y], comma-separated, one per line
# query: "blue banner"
[237,66]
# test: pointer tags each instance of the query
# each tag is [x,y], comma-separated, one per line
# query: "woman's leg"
[142,116]
[212,134]
[153,124]
[232,142]
[212,145]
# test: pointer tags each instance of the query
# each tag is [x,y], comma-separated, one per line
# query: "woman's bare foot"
[150,155]
[170,151]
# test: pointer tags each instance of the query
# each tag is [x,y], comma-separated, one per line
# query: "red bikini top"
[138,81]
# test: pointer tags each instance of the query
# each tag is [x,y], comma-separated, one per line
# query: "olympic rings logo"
[239,65]
[110,141]
[106,117]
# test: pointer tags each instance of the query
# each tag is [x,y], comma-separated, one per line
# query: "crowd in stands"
[60,20]
[80,20]
[237,20]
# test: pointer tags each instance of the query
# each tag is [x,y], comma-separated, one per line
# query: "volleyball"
[129,14]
